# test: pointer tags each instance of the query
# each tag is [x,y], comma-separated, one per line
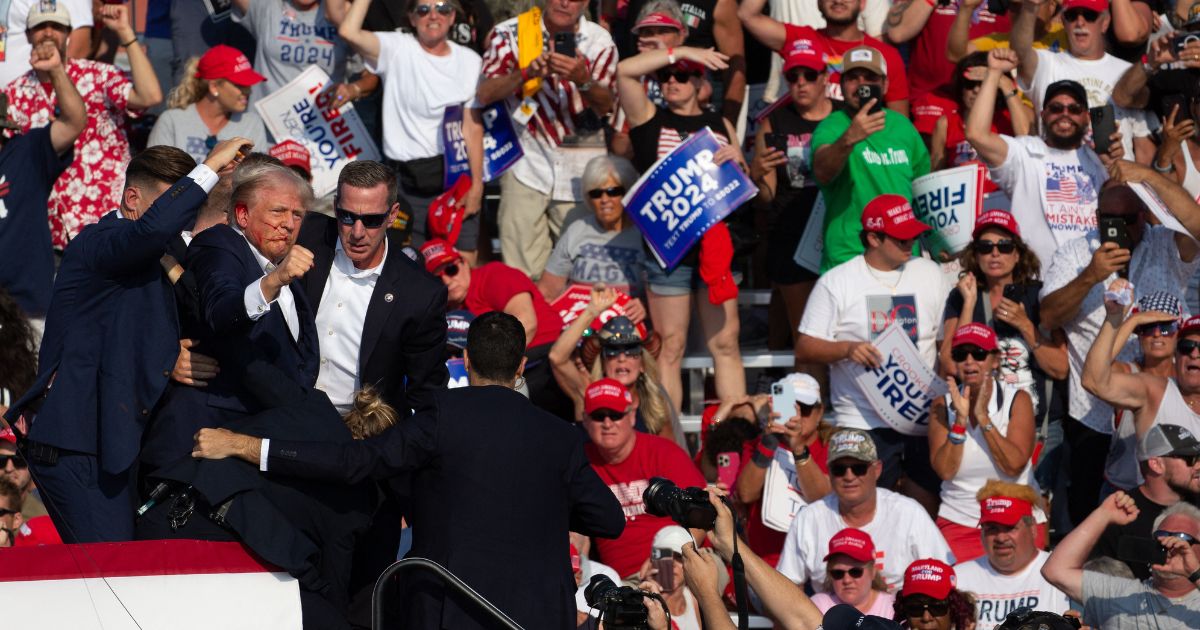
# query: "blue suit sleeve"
[402,448]
[425,354]
[219,279]
[595,511]
[132,245]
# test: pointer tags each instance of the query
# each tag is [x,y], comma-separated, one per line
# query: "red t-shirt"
[767,542]
[833,49]
[930,67]
[494,284]
[652,456]
[38,530]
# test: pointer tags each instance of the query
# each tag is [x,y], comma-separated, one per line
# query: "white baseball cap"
[47,11]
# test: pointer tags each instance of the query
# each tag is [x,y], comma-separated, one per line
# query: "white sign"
[903,387]
[781,501]
[812,243]
[334,136]
[948,201]
[1158,208]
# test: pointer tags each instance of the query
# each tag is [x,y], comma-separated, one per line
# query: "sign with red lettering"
[576,298]
[334,136]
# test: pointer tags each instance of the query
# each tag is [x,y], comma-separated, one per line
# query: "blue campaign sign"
[501,149]
[458,373]
[684,194]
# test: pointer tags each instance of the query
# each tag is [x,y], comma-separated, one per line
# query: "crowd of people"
[194,344]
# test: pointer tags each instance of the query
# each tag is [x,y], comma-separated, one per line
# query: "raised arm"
[1132,21]
[1021,40]
[146,91]
[1178,201]
[905,19]
[570,378]
[1116,388]
[727,30]
[767,30]
[992,148]
[958,42]
[73,115]
[1064,567]
[830,159]
[362,41]
[637,105]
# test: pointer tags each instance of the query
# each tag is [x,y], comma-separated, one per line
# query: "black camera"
[621,607]
[689,507]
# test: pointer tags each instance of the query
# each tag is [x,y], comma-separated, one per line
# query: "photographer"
[784,602]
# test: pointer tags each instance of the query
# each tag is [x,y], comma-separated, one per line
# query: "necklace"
[879,279]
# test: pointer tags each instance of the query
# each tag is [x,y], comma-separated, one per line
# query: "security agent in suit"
[111,342]
[252,307]
[497,485]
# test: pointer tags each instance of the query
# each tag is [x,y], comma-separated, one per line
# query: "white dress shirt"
[257,304]
[340,318]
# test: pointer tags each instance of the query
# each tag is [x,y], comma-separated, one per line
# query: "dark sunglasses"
[839,470]
[1006,246]
[1184,536]
[680,76]
[838,574]
[1075,109]
[369,221]
[605,414]
[612,352]
[1187,346]
[961,353]
[917,609]
[442,8]
[612,191]
[806,410]
[970,84]
[5,512]
[17,461]
[1070,15]
[449,271]
[1188,460]
[1165,329]
[810,75]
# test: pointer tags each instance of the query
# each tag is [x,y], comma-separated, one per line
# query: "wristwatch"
[585,86]
[1194,576]
[803,456]
[1170,168]
[985,427]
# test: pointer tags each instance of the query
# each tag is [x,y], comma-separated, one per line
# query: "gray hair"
[248,180]
[1109,566]
[668,7]
[601,167]
[1183,508]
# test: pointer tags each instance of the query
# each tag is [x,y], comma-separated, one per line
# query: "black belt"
[41,453]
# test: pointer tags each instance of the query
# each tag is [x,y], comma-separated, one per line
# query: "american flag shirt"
[559,101]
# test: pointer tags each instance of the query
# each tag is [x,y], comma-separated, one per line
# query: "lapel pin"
[387,297]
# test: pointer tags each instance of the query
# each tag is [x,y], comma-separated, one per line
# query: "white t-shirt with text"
[997,594]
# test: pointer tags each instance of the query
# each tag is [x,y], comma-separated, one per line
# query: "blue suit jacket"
[223,265]
[112,333]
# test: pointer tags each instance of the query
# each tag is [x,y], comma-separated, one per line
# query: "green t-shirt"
[885,163]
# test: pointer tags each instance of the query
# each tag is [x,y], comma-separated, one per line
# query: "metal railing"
[452,582]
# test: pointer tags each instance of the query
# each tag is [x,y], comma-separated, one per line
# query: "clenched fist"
[295,264]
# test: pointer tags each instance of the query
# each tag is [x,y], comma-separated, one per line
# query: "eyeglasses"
[1070,15]
[600,415]
[839,470]
[611,191]
[810,75]
[449,271]
[5,512]
[1165,329]
[1187,346]
[1006,246]
[961,353]
[17,461]
[917,609]
[838,574]
[1184,536]
[680,76]
[443,8]
[612,352]
[1188,460]
[1075,109]
[369,221]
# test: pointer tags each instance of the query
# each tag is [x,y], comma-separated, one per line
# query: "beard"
[1070,141]
[832,21]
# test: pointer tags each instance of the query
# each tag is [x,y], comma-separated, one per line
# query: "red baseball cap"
[292,153]
[1190,325]
[1004,510]
[975,334]
[658,19]
[437,253]
[1099,6]
[929,577]
[892,215]
[803,58]
[446,212]
[7,435]
[852,542]
[996,219]
[606,393]
[227,62]
[685,65]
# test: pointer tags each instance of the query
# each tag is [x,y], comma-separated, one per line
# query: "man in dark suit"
[111,342]
[252,307]
[498,483]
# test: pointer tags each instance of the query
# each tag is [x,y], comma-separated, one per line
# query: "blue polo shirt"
[28,168]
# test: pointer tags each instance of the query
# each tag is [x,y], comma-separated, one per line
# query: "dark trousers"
[86,503]
[1084,468]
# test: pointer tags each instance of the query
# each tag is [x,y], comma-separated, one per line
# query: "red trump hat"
[998,219]
[975,334]
[929,577]
[437,253]
[892,215]
[227,62]
[852,542]
[1007,511]
[606,394]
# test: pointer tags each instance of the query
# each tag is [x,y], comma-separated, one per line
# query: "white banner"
[902,388]
[812,243]
[948,201]
[334,137]
[1158,208]
[781,501]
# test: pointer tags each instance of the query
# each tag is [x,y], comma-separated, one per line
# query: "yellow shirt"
[1054,40]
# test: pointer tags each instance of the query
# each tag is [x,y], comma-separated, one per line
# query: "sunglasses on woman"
[613,352]
[1075,109]
[1187,346]
[1006,246]
[612,191]
[961,353]
[839,470]
[443,8]
[917,609]
[1165,329]
[680,76]
[369,221]
[810,75]
[838,574]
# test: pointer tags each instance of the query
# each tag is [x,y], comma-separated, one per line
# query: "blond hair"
[369,415]
[656,411]
[191,89]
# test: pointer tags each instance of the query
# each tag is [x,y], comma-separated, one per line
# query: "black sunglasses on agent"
[369,221]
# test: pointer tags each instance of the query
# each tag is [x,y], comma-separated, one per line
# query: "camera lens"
[598,589]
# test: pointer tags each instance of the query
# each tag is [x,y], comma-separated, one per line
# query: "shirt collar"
[266,265]
[346,266]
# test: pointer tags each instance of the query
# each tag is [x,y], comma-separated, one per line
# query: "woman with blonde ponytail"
[211,104]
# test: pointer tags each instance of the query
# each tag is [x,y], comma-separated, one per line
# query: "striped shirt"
[559,101]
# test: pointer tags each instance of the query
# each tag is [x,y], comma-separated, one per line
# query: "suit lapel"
[383,299]
[315,280]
